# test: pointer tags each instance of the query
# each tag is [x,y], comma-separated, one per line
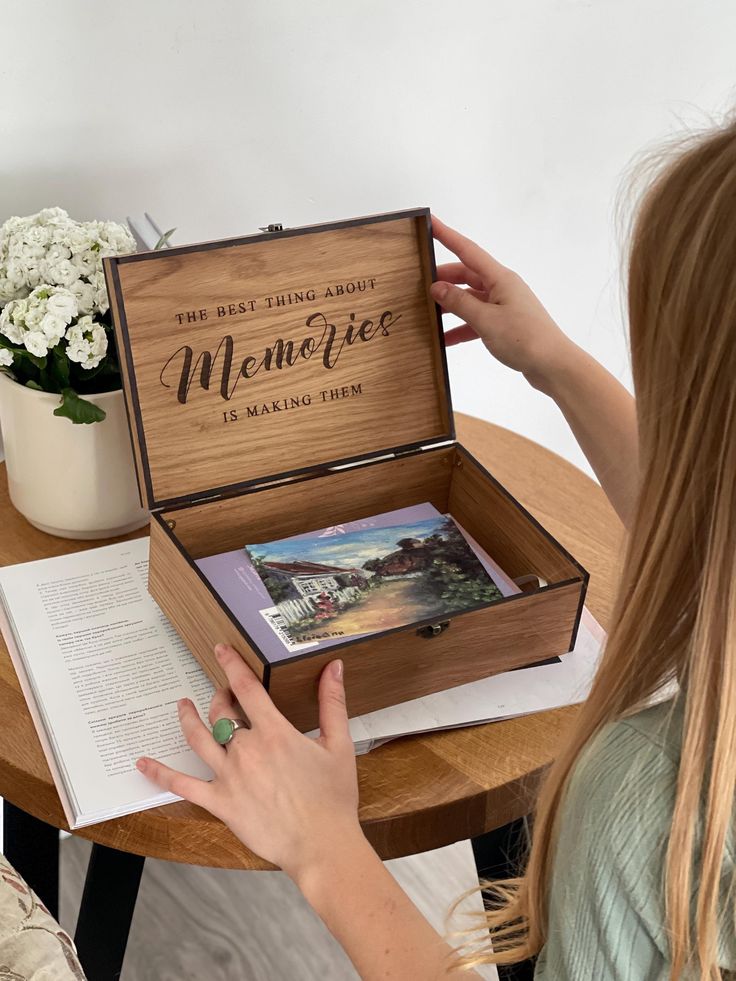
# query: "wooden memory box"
[297,379]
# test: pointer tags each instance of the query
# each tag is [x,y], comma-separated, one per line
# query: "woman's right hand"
[499,308]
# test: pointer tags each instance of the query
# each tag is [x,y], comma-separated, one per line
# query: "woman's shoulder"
[659,726]
[631,769]
[630,750]
[606,916]
[625,780]
[615,824]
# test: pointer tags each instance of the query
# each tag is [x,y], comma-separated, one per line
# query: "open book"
[102,669]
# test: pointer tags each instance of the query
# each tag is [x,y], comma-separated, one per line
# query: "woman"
[632,856]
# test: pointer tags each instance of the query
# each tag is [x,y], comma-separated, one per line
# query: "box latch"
[433,629]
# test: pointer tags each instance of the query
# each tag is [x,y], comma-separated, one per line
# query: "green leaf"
[34,359]
[59,367]
[164,240]
[34,385]
[80,411]
[46,382]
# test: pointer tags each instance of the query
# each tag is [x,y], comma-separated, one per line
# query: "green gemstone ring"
[224,729]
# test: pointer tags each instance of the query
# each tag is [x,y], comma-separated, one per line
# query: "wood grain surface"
[417,793]
[250,358]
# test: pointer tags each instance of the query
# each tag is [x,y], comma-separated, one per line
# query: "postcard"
[372,579]
[241,590]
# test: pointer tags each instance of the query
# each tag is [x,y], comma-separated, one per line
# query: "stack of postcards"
[318,589]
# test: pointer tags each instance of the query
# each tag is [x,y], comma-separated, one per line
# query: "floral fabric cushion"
[33,947]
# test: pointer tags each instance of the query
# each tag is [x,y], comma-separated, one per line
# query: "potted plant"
[67,446]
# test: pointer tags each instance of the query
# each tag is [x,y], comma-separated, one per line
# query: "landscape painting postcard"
[238,585]
[372,579]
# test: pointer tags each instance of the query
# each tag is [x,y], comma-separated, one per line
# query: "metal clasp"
[433,629]
[276,226]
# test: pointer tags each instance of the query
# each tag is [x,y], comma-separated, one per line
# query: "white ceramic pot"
[75,481]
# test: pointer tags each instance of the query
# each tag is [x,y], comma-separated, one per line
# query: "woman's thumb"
[333,713]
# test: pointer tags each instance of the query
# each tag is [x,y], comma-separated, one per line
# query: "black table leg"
[106,912]
[498,855]
[32,847]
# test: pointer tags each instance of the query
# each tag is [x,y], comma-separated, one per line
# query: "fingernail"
[220,650]
[336,667]
[141,765]
[181,703]
[439,290]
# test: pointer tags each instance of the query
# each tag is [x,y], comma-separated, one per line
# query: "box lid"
[253,359]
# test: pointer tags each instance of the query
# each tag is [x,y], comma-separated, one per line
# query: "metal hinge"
[276,226]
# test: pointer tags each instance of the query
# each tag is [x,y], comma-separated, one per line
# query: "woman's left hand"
[287,797]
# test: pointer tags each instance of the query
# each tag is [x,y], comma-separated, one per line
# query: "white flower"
[15,224]
[50,247]
[32,243]
[87,342]
[50,216]
[55,252]
[10,290]
[34,310]
[75,236]
[63,273]
[97,282]
[85,294]
[117,237]
[12,320]
[18,276]
[102,302]
[62,303]
[53,329]
[36,342]
[39,321]
[6,357]
[85,262]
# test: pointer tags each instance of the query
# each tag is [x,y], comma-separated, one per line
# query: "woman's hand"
[289,798]
[294,801]
[499,308]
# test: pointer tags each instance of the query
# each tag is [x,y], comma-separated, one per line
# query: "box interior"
[447,477]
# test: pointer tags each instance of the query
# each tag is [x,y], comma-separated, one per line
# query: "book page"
[107,669]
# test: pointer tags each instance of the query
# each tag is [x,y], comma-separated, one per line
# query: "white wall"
[512,119]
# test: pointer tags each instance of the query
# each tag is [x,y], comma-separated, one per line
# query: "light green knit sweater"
[606,903]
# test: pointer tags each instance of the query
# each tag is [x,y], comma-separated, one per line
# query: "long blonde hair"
[675,615]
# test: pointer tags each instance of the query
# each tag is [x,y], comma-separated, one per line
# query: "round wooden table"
[417,793]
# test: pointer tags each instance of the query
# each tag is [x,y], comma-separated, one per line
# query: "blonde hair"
[675,615]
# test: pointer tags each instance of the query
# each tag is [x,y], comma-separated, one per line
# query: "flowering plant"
[55,327]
